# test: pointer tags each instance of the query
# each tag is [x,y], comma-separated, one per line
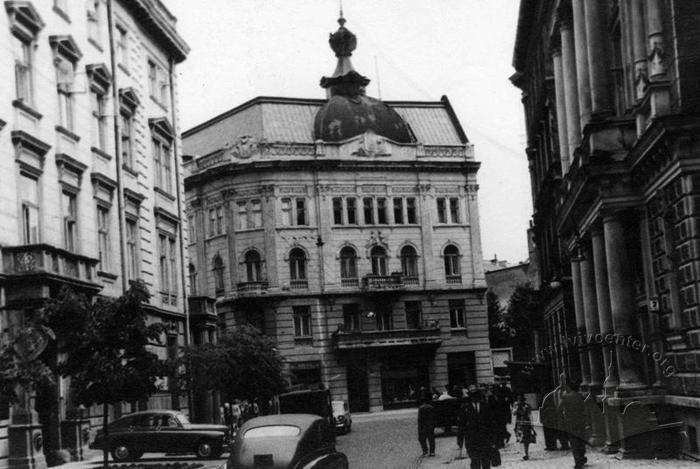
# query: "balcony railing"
[411,280]
[34,259]
[382,282]
[454,279]
[429,334]
[252,287]
[349,282]
[299,284]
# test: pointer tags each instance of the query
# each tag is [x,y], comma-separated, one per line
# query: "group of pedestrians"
[235,414]
[481,423]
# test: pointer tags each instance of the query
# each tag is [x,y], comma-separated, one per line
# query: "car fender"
[327,461]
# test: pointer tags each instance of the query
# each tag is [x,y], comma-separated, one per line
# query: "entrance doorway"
[358,386]
[461,369]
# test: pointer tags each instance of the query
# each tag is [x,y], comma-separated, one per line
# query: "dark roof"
[526,16]
[299,420]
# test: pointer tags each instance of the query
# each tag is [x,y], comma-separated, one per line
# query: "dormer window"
[66,55]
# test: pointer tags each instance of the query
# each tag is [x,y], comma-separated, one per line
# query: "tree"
[243,364]
[523,317]
[498,331]
[107,352]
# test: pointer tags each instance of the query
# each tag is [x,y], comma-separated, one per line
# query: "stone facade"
[611,98]
[82,192]
[358,254]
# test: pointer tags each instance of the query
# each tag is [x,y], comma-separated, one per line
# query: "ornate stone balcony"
[45,260]
[252,288]
[382,282]
[429,334]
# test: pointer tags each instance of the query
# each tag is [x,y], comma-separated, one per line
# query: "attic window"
[24,19]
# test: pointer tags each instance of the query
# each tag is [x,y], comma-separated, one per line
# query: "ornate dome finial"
[341,20]
[343,41]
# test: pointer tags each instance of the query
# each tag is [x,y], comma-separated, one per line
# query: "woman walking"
[523,424]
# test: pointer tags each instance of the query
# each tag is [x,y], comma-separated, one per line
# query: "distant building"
[347,229]
[611,98]
[90,194]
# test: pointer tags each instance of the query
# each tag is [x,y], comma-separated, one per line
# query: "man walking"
[478,430]
[574,416]
[426,425]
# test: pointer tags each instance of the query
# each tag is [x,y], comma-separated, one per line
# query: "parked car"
[341,416]
[158,431]
[286,441]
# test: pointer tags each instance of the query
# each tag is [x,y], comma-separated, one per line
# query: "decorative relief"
[424,189]
[290,149]
[343,189]
[375,238]
[657,64]
[248,192]
[293,189]
[368,188]
[372,145]
[447,190]
[267,190]
[442,151]
[471,187]
[25,261]
[404,189]
[245,147]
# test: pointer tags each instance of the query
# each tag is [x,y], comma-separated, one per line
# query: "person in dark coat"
[426,425]
[574,418]
[478,430]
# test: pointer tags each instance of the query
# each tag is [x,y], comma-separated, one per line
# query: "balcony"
[382,282]
[299,284]
[252,288]
[45,260]
[349,282]
[428,335]
[454,279]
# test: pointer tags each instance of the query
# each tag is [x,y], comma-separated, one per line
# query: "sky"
[410,49]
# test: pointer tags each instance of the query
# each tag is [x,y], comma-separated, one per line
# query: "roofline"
[444,102]
[526,263]
[526,14]
[156,17]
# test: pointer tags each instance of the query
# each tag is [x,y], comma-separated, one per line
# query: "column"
[598,60]
[590,308]
[568,59]
[580,324]
[582,77]
[561,110]
[639,50]
[622,301]
[655,26]
[603,303]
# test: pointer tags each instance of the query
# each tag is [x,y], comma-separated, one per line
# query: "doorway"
[358,386]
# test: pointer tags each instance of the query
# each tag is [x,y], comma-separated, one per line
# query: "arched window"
[348,267]
[409,263]
[218,274]
[192,273]
[452,272]
[297,268]
[253,266]
[379,260]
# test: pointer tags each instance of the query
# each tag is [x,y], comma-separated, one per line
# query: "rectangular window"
[337,210]
[242,216]
[454,210]
[163,165]
[192,228]
[103,237]
[441,210]
[287,212]
[385,320]
[94,20]
[29,194]
[398,210]
[132,271]
[64,79]
[368,207]
[351,205]
[172,267]
[163,270]
[301,212]
[126,130]
[456,308]
[122,47]
[302,321]
[153,79]
[23,69]
[212,222]
[97,101]
[219,220]
[413,314]
[411,210]
[70,220]
[351,317]
[382,219]
[256,211]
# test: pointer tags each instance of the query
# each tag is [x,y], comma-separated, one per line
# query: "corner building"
[611,102]
[90,198]
[347,229]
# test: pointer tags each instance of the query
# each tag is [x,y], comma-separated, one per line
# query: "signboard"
[654,305]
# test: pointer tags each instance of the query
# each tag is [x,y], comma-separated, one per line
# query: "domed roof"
[349,112]
[344,117]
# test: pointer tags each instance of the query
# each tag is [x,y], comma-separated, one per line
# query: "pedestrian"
[228,417]
[426,425]
[462,421]
[524,431]
[256,408]
[574,416]
[502,417]
[479,430]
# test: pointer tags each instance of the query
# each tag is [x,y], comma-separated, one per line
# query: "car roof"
[300,420]
[149,412]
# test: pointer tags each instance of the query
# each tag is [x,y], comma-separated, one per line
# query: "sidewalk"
[447,457]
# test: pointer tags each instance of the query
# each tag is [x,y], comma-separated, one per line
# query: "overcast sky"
[422,50]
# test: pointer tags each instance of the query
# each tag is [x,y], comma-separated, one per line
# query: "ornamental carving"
[375,239]
[25,262]
[245,147]
[293,190]
[403,189]
[343,189]
[447,190]
[371,188]
[372,145]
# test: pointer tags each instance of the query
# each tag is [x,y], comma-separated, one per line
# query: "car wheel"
[204,450]
[121,453]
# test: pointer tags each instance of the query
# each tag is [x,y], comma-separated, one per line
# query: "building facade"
[611,101]
[91,194]
[347,229]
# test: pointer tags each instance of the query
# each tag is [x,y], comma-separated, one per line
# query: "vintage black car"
[286,441]
[159,431]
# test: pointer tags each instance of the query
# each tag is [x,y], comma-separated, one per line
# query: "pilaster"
[580,324]
[598,59]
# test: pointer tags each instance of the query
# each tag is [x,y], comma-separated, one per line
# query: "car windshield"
[338,407]
[272,431]
[182,418]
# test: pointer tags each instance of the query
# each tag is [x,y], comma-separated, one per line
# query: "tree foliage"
[243,364]
[499,335]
